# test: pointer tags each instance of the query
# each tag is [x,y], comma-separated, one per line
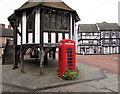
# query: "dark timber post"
[54,52]
[45,59]
[41,53]
[22,59]
[15,64]
[41,56]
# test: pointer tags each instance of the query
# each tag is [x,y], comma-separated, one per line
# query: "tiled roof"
[56,5]
[108,26]
[60,5]
[6,32]
[88,28]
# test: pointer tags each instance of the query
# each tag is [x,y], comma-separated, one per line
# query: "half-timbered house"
[41,25]
[100,38]
[88,39]
[110,37]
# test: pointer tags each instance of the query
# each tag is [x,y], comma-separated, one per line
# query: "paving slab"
[30,80]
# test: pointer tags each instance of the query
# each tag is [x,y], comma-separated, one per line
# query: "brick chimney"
[9,27]
[2,25]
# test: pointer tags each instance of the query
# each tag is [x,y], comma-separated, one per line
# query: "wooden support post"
[45,60]
[37,56]
[22,60]
[41,56]
[54,52]
[15,63]
[50,54]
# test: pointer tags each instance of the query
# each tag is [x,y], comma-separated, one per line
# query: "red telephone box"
[66,56]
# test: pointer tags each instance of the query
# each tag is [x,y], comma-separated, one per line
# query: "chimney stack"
[2,26]
[9,27]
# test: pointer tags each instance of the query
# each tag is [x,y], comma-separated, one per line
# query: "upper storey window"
[30,21]
[55,21]
[46,22]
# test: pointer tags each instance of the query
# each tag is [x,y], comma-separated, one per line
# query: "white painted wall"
[59,37]
[24,28]
[45,37]
[117,49]
[53,38]
[30,38]
[119,13]
[66,36]
[18,39]
[78,49]
[37,26]
[71,27]
[18,36]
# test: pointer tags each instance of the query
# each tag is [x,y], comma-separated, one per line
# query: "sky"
[89,11]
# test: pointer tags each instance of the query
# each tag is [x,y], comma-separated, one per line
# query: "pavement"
[91,79]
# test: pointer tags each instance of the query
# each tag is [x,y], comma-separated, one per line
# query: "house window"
[90,42]
[30,21]
[56,21]
[53,21]
[88,34]
[106,41]
[113,33]
[107,33]
[59,22]
[114,42]
[65,26]
[46,21]
[106,49]
[113,50]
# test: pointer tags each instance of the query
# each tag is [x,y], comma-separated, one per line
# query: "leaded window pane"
[65,23]
[46,21]
[53,21]
[59,22]
[30,23]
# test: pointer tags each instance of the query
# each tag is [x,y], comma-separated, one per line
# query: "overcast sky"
[89,11]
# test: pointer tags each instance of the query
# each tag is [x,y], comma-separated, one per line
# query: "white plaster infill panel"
[45,37]
[37,26]
[59,37]
[24,28]
[53,38]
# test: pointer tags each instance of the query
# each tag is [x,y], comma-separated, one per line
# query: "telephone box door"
[66,56]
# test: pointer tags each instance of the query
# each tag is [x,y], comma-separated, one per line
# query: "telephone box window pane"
[70,55]
[69,48]
[46,22]
[70,52]
[69,65]
[70,61]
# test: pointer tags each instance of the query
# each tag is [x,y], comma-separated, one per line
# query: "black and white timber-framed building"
[88,39]
[41,25]
[99,38]
[110,37]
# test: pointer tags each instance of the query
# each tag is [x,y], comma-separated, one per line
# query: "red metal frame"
[66,56]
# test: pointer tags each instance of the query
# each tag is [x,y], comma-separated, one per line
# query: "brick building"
[5,34]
